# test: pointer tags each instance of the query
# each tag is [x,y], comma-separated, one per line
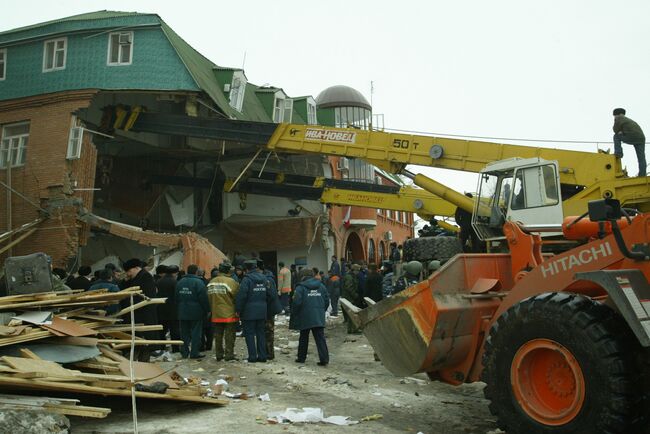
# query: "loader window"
[535,187]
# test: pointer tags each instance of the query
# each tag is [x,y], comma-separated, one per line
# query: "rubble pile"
[65,342]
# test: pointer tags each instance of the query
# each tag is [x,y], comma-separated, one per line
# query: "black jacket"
[167,288]
[374,284]
[79,282]
[147,315]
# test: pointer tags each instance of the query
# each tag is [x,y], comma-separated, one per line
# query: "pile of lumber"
[64,342]
[64,406]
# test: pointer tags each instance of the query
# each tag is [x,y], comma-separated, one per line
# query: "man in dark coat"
[310,303]
[105,281]
[273,307]
[251,307]
[193,308]
[628,131]
[335,268]
[148,315]
[374,283]
[167,313]
[350,291]
[82,281]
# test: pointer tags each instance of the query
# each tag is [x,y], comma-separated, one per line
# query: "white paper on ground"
[221,382]
[39,318]
[308,415]
[264,397]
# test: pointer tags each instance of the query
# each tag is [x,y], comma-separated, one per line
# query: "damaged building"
[81,184]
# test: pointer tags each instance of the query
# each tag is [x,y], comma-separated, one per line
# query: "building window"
[311,113]
[74,139]
[3,63]
[237,89]
[288,110]
[371,250]
[389,214]
[13,144]
[278,110]
[120,48]
[397,216]
[54,54]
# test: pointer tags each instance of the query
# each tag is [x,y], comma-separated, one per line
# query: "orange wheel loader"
[561,341]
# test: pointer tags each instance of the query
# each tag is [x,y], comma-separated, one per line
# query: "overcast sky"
[551,70]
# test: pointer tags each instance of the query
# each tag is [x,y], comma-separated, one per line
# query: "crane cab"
[517,189]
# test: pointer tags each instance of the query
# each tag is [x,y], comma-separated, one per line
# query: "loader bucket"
[436,325]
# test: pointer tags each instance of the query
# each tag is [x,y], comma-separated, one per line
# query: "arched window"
[371,250]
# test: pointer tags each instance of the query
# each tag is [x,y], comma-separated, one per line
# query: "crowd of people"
[244,297]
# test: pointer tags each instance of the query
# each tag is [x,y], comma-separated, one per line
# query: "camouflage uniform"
[269,331]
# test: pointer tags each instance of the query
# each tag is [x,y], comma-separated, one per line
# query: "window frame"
[238,104]
[278,105]
[22,148]
[119,49]
[312,114]
[288,105]
[65,54]
[75,125]
[3,68]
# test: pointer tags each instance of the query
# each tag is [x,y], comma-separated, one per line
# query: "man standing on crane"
[628,131]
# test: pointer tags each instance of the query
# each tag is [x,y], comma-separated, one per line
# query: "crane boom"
[393,151]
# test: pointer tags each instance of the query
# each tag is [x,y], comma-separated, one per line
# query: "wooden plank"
[80,388]
[108,319]
[31,365]
[127,328]
[68,327]
[139,341]
[113,355]
[29,354]
[139,305]
[79,410]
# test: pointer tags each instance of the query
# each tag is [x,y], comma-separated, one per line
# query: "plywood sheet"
[64,327]
[33,365]
[151,371]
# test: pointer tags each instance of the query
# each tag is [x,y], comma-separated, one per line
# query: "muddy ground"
[352,385]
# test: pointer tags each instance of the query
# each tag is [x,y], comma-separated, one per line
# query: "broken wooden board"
[37,384]
[152,373]
[67,407]
[64,327]
[34,365]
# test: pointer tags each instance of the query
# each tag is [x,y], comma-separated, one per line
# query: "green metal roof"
[83,22]
[201,69]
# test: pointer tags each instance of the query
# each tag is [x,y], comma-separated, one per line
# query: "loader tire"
[563,363]
[424,249]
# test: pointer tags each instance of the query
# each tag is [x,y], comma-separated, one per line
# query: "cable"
[461,136]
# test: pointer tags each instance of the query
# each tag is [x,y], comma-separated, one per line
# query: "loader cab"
[517,189]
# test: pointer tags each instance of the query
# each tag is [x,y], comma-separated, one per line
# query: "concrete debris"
[33,422]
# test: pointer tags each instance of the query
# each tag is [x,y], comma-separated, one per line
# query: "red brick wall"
[400,231]
[47,174]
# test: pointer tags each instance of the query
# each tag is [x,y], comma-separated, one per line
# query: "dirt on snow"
[353,384]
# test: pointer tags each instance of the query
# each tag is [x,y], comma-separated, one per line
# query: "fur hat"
[132,263]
